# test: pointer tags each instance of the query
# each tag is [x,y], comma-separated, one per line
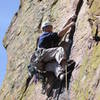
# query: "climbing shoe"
[61,76]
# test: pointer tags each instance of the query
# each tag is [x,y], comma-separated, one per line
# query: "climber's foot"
[61,76]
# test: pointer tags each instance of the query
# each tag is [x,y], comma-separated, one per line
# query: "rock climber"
[53,56]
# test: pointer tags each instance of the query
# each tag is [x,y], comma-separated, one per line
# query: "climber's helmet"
[46,25]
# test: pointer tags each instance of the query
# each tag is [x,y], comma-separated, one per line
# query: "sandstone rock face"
[20,40]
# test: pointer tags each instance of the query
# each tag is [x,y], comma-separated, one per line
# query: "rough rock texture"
[20,41]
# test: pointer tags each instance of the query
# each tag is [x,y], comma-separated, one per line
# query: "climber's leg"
[56,53]
[56,68]
[67,46]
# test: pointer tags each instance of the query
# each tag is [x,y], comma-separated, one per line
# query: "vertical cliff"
[20,40]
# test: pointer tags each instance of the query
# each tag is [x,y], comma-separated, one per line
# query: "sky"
[7,11]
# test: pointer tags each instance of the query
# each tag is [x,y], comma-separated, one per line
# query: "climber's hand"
[72,19]
[71,24]
[65,29]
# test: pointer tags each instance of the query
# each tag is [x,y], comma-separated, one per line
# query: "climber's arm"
[72,19]
[65,29]
[67,26]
